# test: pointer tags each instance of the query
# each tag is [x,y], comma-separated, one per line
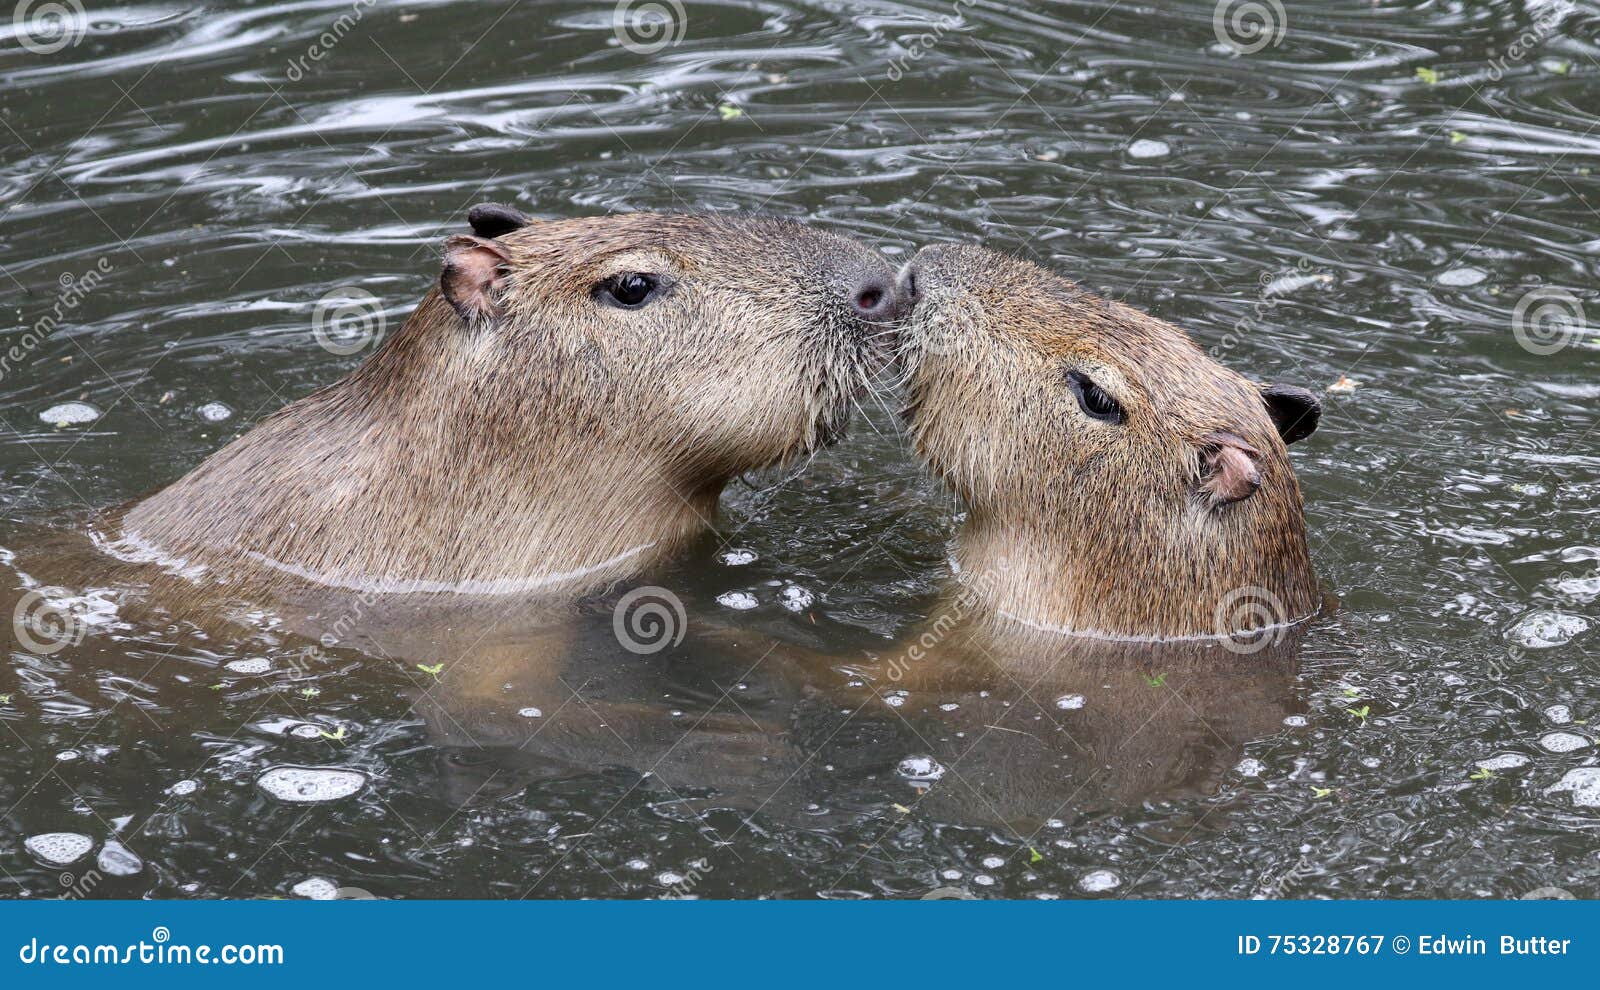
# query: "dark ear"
[474,274]
[1295,411]
[494,220]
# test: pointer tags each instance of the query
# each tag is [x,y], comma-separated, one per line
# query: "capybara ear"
[1294,411]
[1230,468]
[495,219]
[474,273]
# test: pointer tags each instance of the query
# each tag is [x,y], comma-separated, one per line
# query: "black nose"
[873,298]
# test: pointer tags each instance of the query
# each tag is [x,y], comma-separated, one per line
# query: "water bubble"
[1070,702]
[1462,277]
[739,558]
[1541,630]
[993,862]
[183,788]
[1146,148]
[983,880]
[894,700]
[637,864]
[1295,721]
[797,599]
[1504,761]
[317,889]
[1558,714]
[949,706]
[741,601]
[306,730]
[1563,742]
[58,848]
[530,713]
[67,755]
[214,412]
[923,768]
[1584,783]
[1099,881]
[70,414]
[950,875]
[254,665]
[310,785]
[118,860]
[1251,767]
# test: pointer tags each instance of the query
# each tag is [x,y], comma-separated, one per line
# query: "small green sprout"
[1351,692]
[1034,855]
[433,670]
[902,809]
[1427,75]
[729,111]
[310,692]
[1456,137]
[333,736]
[1484,773]
[218,687]
[1321,792]
[1157,680]
[5,699]
[1360,713]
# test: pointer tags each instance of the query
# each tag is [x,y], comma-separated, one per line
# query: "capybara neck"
[400,479]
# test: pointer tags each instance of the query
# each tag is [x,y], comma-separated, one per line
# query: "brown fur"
[553,436]
[1153,527]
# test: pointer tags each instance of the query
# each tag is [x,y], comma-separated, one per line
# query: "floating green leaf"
[1456,137]
[1360,713]
[433,670]
[1157,680]
[1484,773]
[1034,855]
[1427,75]
[729,111]
[310,692]
[1321,792]
[334,736]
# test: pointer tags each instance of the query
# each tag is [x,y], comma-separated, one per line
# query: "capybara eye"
[629,291]
[1094,400]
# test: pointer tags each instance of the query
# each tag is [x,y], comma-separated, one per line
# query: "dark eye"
[628,291]
[1094,400]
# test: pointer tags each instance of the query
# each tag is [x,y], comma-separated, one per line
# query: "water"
[1393,203]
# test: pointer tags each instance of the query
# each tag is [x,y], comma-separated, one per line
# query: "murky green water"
[1373,203]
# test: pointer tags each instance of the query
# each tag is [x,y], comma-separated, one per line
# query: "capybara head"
[712,344]
[567,401]
[1134,486]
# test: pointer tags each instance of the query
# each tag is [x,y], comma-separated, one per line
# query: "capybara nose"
[873,299]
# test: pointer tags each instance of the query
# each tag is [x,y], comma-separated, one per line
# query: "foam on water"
[253,665]
[1584,785]
[1099,881]
[741,601]
[118,860]
[311,785]
[70,414]
[58,848]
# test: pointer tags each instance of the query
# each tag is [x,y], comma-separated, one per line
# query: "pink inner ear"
[474,274]
[1231,469]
